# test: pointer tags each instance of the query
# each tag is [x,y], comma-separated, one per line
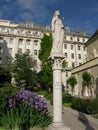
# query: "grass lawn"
[67,104]
[95,116]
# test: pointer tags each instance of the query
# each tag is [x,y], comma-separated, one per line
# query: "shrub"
[67,98]
[42,93]
[6,91]
[88,106]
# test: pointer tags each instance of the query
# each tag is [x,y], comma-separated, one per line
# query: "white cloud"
[35,9]
[35,4]
[30,10]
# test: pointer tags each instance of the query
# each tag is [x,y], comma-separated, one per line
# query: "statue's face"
[57,13]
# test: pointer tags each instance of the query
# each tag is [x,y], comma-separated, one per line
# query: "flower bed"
[25,110]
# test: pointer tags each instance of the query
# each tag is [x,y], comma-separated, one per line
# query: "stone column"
[24,46]
[32,47]
[57,92]
[58,123]
[15,47]
[56,56]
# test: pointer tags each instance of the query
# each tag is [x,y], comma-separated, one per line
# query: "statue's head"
[57,12]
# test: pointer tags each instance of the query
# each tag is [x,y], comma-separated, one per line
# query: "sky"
[78,14]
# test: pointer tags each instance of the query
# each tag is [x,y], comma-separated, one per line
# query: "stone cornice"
[74,42]
[89,64]
[91,40]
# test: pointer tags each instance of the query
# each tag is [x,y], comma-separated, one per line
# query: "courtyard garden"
[23,102]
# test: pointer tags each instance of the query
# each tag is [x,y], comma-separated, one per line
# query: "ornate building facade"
[26,37]
[75,51]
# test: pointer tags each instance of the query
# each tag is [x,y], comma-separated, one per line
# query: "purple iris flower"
[30,99]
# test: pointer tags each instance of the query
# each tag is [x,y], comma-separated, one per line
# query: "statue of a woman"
[57,34]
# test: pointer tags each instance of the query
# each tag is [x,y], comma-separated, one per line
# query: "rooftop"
[31,25]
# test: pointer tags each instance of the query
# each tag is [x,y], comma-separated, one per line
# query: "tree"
[5,76]
[64,65]
[87,82]
[72,82]
[23,70]
[45,75]
[46,45]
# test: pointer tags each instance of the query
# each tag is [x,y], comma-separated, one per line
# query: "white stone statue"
[57,34]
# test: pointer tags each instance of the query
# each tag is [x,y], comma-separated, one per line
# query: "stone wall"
[91,67]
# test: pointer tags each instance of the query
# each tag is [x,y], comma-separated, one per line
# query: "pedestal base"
[57,127]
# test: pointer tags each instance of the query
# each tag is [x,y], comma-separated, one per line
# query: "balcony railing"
[21,34]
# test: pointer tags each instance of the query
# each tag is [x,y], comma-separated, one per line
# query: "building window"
[65,46]
[28,50]
[20,51]
[66,55]
[1,40]
[64,37]
[36,33]
[36,42]
[10,51]
[72,55]
[71,47]
[2,29]
[79,56]
[28,32]
[20,42]
[1,50]
[78,47]
[73,64]
[27,42]
[78,39]
[0,60]
[20,31]
[66,73]
[83,40]
[12,31]
[71,38]
[11,41]
[35,52]
[84,48]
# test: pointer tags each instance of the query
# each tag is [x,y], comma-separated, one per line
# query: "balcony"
[21,34]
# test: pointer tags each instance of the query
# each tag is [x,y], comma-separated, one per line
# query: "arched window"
[36,42]
[20,42]
[78,39]
[28,42]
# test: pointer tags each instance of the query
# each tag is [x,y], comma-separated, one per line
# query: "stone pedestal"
[62,127]
[57,95]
